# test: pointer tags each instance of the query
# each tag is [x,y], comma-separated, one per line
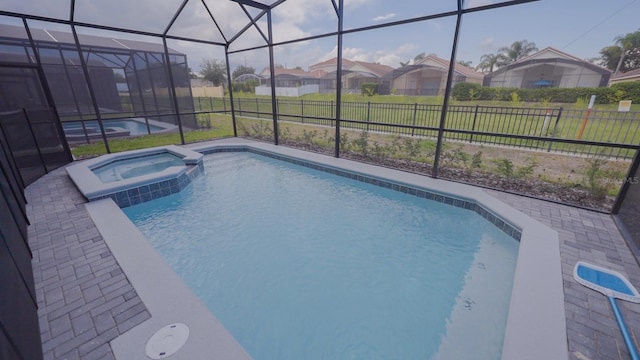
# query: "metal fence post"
[257,109]
[555,128]
[473,125]
[368,114]
[415,113]
[302,110]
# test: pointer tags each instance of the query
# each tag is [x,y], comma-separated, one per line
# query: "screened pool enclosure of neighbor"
[78,81]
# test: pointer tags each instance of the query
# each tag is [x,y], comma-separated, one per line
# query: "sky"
[578,27]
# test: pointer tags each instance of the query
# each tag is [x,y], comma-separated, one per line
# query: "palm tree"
[517,50]
[628,44]
[489,61]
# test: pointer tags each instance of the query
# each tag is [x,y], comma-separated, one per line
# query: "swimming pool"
[368,271]
[113,128]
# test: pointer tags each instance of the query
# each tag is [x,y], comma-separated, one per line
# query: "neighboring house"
[427,77]
[633,75]
[290,82]
[549,67]
[291,77]
[354,74]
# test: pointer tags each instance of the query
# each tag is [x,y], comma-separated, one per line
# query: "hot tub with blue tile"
[138,176]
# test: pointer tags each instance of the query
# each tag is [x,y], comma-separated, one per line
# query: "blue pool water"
[128,168]
[134,127]
[303,264]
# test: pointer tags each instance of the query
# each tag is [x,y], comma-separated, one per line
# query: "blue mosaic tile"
[135,200]
[123,203]
[144,197]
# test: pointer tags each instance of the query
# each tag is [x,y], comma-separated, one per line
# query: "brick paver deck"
[85,300]
[592,330]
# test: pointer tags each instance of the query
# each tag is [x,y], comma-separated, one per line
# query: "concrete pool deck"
[86,300]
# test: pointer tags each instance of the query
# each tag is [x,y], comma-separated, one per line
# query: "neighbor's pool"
[132,126]
[137,166]
[302,264]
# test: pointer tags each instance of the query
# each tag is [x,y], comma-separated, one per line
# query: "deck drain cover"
[166,341]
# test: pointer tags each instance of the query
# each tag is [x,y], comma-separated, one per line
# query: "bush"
[631,90]
[466,91]
[604,95]
[248,86]
[369,89]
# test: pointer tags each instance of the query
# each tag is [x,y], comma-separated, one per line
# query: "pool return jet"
[615,286]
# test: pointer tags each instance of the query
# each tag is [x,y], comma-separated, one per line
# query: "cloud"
[392,60]
[390,57]
[301,12]
[384,17]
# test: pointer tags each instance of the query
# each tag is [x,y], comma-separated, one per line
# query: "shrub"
[604,95]
[369,89]
[631,90]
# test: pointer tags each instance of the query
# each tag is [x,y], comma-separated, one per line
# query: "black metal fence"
[562,130]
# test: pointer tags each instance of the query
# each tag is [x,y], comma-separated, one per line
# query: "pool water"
[128,168]
[302,264]
[134,127]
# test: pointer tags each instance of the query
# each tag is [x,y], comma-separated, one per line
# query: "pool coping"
[536,325]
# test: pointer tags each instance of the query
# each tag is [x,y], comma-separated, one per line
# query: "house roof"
[377,69]
[627,75]
[464,70]
[334,61]
[556,56]
[293,72]
[63,37]
[552,50]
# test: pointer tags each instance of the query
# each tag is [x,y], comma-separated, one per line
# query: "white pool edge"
[536,325]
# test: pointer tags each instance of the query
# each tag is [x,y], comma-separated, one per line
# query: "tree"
[419,57]
[214,70]
[610,57]
[489,61]
[517,50]
[241,70]
[629,45]
[465,63]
